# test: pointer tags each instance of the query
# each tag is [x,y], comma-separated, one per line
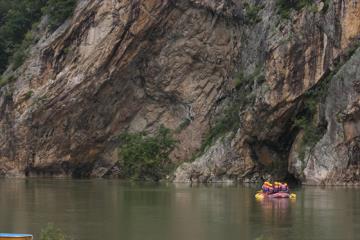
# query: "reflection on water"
[276,210]
[110,209]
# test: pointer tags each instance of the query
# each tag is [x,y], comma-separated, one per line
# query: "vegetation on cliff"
[58,11]
[308,119]
[88,81]
[285,6]
[230,119]
[252,13]
[146,157]
[18,19]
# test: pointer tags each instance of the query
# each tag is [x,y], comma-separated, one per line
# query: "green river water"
[112,210]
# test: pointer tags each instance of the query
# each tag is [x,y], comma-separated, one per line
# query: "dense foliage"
[18,17]
[58,11]
[252,13]
[147,157]
[285,6]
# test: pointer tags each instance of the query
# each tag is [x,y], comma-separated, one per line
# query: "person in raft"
[270,188]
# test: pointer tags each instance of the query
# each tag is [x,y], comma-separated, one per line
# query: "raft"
[261,195]
[8,236]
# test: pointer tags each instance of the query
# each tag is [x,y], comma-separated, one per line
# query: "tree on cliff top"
[58,11]
[18,17]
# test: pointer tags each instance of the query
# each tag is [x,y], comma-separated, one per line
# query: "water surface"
[111,209]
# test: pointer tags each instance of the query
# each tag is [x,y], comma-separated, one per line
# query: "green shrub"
[6,79]
[242,80]
[146,157]
[313,131]
[5,6]
[244,83]
[50,232]
[58,11]
[3,81]
[312,134]
[18,58]
[228,122]
[230,119]
[22,51]
[29,94]
[326,6]
[16,19]
[284,7]
[312,98]
[252,13]
[353,47]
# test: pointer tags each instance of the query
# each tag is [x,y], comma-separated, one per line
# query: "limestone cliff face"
[334,159]
[132,65]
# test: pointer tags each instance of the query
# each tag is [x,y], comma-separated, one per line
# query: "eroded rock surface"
[335,158]
[129,65]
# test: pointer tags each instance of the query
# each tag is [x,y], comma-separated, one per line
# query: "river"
[111,209]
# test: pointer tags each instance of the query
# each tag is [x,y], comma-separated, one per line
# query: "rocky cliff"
[252,89]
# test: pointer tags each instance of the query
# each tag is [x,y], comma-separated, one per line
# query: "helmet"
[268,184]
